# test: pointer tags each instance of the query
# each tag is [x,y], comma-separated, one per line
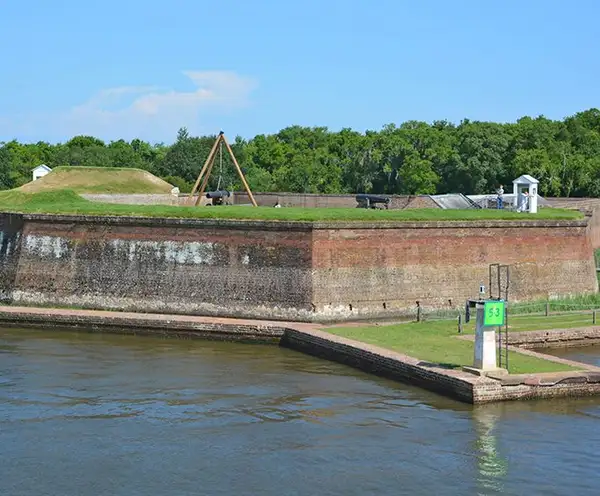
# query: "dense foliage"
[416,157]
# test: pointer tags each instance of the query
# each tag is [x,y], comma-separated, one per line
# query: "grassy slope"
[69,202]
[437,341]
[98,180]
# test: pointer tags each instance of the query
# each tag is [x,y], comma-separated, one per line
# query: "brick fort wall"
[153,265]
[11,227]
[284,271]
[375,271]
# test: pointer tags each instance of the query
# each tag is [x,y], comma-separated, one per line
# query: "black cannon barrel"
[372,198]
[218,194]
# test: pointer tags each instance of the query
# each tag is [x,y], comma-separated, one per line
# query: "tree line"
[415,157]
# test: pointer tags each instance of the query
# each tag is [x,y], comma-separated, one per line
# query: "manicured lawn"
[69,202]
[541,322]
[437,341]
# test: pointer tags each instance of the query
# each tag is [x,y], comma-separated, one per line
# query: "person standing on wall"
[500,197]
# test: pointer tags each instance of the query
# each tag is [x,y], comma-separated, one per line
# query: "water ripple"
[87,414]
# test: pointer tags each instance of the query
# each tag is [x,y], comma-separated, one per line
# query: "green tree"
[6,180]
[408,158]
[417,176]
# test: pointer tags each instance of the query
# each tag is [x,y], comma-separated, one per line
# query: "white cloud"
[149,112]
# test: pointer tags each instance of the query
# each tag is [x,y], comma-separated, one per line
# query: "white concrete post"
[485,343]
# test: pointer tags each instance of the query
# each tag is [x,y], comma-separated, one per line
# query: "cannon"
[372,201]
[218,196]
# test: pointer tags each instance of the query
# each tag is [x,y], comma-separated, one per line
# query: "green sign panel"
[493,313]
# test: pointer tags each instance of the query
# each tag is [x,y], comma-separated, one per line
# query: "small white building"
[525,191]
[41,171]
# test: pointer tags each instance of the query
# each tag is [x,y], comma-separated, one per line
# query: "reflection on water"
[492,465]
[86,414]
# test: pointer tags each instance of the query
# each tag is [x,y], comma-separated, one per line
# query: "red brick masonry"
[289,271]
[382,270]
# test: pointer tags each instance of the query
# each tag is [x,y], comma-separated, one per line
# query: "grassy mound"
[69,202]
[99,180]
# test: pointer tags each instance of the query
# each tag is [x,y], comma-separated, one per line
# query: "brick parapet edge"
[297,225]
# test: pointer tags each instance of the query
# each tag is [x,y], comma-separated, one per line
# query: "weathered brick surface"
[298,200]
[198,268]
[594,227]
[577,387]
[281,270]
[419,201]
[11,226]
[442,264]
[308,200]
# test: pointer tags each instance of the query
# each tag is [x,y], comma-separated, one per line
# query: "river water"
[88,414]
[586,354]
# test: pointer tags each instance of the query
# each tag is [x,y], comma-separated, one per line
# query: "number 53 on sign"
[493,313]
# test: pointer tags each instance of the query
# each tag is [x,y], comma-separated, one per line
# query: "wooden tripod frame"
[208,166]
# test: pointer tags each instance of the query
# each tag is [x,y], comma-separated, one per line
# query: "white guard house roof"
[43,167]
[526,179]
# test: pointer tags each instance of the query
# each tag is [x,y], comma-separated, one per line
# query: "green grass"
[541,322]
[437,342]
[582,303]
[577,302]
[95,180]
[69,202]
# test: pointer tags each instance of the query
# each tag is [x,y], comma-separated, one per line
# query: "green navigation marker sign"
[493,313]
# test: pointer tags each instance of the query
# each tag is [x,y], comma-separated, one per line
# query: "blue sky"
[133,68]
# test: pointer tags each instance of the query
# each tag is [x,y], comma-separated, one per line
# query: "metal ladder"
[499,284]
